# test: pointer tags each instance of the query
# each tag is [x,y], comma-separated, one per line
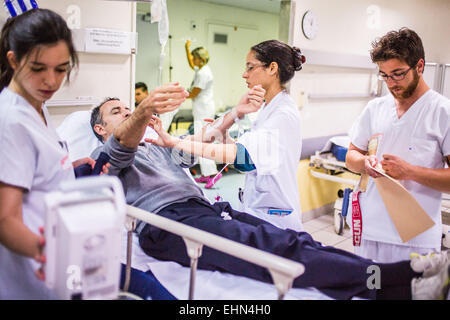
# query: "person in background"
[202,94]
[140,92]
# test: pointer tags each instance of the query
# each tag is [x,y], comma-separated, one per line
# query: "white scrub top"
[203,105]
[32,158]
[421,137]
[274,145]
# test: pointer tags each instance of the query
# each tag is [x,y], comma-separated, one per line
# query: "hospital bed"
[179,280]
[100,202]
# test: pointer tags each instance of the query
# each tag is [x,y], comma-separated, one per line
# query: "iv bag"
[159,14]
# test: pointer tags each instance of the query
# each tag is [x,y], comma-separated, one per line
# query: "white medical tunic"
[274,145]
[32,158]
[203,104]
[203,107]
[421,137]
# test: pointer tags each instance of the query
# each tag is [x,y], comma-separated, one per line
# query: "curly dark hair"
[289,59]
[403,44]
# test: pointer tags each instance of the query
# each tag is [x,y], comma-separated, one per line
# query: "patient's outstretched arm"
[160,100]
[218,129]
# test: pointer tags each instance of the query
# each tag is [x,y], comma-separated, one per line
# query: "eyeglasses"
[250,68]
[396,76]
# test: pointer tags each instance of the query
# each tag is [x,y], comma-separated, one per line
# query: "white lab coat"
[274,145]
[203,107]
[33,158]
[421,137]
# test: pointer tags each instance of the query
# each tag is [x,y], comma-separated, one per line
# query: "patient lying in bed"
[154,180]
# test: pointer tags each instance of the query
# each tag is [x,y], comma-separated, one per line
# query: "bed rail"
[282,270]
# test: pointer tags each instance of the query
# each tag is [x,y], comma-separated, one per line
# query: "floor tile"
[311,226]
[326,218]
[347,245]
[327,238]
[320,223]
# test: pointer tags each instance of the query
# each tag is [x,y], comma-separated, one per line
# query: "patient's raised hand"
[164,99]
[165,139]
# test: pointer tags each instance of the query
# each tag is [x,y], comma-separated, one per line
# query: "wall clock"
[310,25]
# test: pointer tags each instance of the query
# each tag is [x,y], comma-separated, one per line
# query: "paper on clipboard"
[409,218]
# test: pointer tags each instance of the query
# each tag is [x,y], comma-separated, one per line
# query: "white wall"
[99,75]
[343,29]
[148,54]
[227,72]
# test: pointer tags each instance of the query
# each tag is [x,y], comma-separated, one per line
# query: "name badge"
[279,212]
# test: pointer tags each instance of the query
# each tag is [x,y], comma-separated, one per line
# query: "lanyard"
[356,219]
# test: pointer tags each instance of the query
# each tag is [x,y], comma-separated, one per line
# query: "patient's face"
[113,112]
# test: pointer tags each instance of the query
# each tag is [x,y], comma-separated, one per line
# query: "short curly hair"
[403,44]
[201,53]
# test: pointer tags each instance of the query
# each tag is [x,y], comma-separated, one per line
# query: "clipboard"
[408,216]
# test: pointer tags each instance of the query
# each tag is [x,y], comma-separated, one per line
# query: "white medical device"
[83,233]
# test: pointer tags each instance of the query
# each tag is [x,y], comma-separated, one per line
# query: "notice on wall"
[108,41]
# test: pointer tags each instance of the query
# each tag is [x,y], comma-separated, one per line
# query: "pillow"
[77,132]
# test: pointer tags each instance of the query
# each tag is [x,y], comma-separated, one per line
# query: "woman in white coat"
[36,55]
[270,152]
[202,95]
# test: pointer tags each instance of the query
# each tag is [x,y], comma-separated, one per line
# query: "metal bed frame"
[282,270]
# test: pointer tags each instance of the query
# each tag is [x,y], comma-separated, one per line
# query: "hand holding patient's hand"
[208,131]
[164,99]
[105,169]
[211,133]
[86,160]
[165,139]
[251,101]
